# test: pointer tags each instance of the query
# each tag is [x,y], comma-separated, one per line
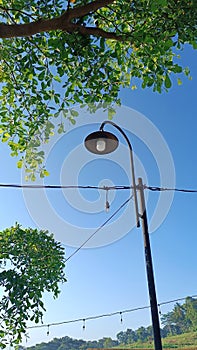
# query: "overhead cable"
[99,228]
[162,189]
[93,234]
[82,319]
[105,188]
[56,187]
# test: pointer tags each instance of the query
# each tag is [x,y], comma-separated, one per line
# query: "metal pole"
[132,166]
[149,270]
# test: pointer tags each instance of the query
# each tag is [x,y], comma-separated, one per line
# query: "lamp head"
[101,142]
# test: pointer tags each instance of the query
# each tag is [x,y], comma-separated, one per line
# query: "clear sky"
[109,275]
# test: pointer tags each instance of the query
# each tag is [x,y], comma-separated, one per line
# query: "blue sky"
[111,277]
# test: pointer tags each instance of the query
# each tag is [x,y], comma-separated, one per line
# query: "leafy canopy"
[183,318]
[55,54]
[31,262]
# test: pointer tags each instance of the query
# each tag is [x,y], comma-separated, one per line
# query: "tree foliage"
[183,318]
[67,343]
[55,54]
[32,262]
[130,336]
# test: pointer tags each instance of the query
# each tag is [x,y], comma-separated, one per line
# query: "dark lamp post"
[102,142]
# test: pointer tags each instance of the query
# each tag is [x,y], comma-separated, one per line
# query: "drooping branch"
[93,6]
[96,31]
[7,10]
[63,22]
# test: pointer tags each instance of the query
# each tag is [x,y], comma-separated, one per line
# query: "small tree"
[32,262]
[190,307]
[109,343]
[176,321]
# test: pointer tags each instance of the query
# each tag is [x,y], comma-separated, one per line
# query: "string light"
[159,308]
[83,320]
[26,337]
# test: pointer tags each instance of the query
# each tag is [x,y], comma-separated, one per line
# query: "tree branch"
[93,6]
[28,29]
[62,22]
[7,9]
[96,31]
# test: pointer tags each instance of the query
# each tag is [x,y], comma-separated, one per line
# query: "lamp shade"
[101,142]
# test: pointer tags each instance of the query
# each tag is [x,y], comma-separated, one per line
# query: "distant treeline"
[67,343]
[183,318]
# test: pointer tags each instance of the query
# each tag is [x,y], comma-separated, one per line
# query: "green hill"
[187,341]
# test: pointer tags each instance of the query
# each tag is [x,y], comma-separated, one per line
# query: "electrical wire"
[82,319]
[94,233]
[175,300]
[99,228]
[162,189]
[105,188]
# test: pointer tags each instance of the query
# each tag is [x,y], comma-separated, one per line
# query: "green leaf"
[111,113]
[30,76]
[74,113]
[41,75]
[57,78]
[73,121]
[20,164]
[168,82]
[194,44]
[46,173]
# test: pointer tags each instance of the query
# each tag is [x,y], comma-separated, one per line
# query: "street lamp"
[103,142]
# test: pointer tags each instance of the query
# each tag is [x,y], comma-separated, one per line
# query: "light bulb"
[107,206]
[100,145]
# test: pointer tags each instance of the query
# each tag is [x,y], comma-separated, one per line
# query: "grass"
[186,341]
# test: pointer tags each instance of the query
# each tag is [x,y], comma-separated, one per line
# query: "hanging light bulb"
[100,145]
[84,325]
[107,205]
[26,337]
